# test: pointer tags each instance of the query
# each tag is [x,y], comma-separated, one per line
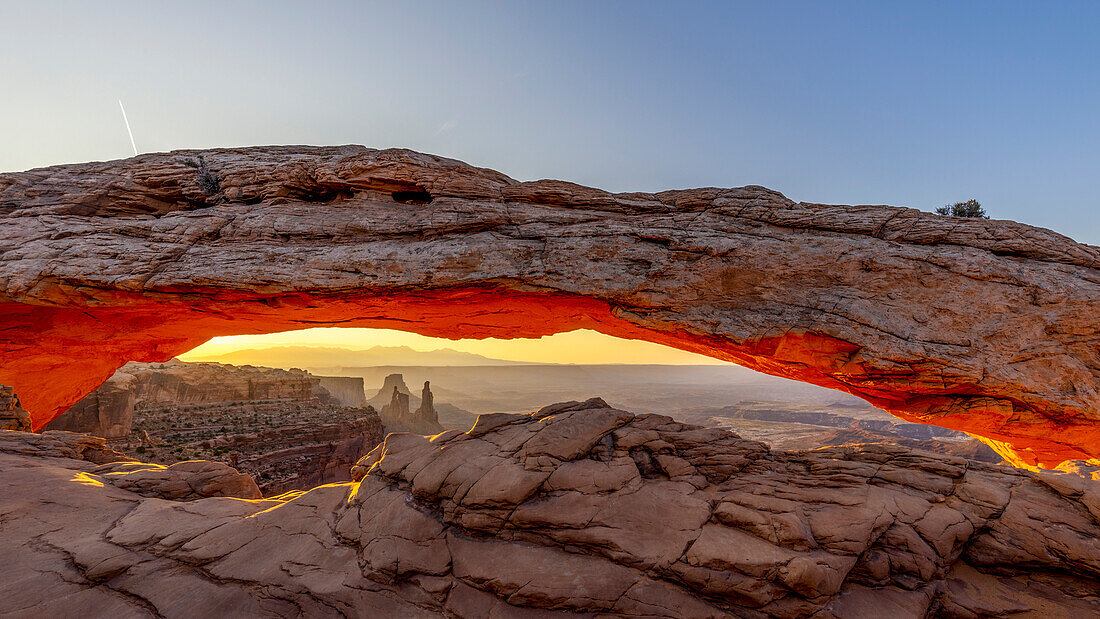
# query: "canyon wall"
[981,326]
[285,428]
[109,410]
[346,390]
[178,383]
[302,455]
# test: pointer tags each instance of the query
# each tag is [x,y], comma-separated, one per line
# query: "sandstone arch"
[985,326]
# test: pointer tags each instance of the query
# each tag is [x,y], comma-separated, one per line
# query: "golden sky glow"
[581,346]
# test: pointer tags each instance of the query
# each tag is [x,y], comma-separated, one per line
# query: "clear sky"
[914,104]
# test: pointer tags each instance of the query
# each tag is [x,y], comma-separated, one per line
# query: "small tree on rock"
[207,180]
[970,208]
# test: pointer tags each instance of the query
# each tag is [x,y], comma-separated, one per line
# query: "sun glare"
[580,347]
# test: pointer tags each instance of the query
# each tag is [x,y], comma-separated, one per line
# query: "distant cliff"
[109,410]
[346,390]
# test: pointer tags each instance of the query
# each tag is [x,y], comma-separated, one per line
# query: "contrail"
[125,120]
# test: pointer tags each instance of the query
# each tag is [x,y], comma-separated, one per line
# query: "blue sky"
[914,104]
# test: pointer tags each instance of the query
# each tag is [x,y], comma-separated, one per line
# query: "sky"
[581,346]
[910,104]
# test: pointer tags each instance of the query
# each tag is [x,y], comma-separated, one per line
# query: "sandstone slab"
[732,530]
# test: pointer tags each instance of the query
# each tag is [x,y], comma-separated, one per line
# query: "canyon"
[218,490]
[109,410]
[578,510]
[290,430]
[982,326]
[284,445]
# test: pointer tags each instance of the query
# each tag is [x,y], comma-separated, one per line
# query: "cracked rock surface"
[983,326]
[576,510]
[182,481]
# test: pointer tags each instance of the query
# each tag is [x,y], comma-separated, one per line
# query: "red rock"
[983,326]
[109,410]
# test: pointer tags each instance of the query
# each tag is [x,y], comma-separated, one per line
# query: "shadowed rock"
[396,414]
[12,414]
[425,415]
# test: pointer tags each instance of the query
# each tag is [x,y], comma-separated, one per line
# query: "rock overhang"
[984,326]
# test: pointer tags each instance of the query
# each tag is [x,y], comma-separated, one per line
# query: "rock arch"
[990,327]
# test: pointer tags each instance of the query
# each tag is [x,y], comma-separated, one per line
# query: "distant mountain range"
[316,356]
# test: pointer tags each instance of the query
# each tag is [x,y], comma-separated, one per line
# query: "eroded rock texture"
[109,410]
[984,326]
[579,509]
[12,414]
[181,481]
[299,456]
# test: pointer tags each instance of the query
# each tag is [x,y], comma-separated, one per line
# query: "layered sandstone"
[181,481]
[289,430]
[283,444]
[109,410]
[298,455]
[968,450]
[983,326]
[180,383]
[580,509]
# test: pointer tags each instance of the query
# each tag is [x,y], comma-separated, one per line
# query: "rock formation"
[299,455]
[968,450]
[283,444]
[279,425]
[182,481]
[396,410]
[425,414]
[777,412]
[580,509]
[384,396]
[976,325]
[12,414]
[60,444]
[345,390]
[109,410]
